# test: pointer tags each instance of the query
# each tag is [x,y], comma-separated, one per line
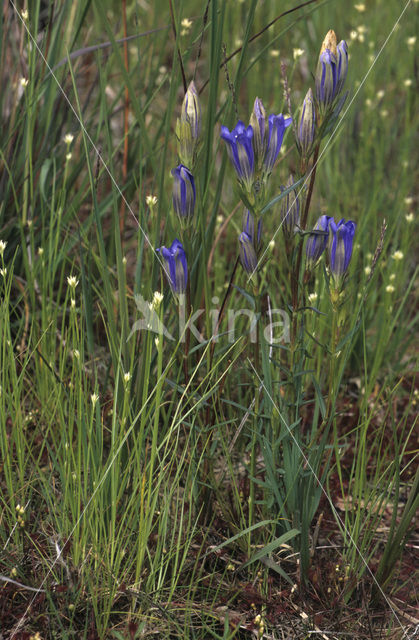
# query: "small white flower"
[274,53]
[124,260]
[408,82]
[312,297]
[360,7]
[368,102]
[157,300]
[297,53]
[25,15]
[94,398]
[411,42]
[186,24]
[127,377]
[408,200]
[157,342]
[380,94]
[272,245]
[76,354]
[409,217]
[151,200]
[24,82]
[384,113]
[367,271]
[362,28]
[361,37]
[68,138]
[398,255]
[392,277]
[68,156]
[353,34]
[3,272]
[40,251]
[390,288]
[72,282]
[3,245]
[73,303]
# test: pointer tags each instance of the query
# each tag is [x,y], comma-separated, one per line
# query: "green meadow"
[214,438]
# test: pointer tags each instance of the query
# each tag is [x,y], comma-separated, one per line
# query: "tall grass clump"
[207,316]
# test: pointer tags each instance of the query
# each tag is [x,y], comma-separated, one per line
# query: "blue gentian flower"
[176,266]
[277,125]
[339,249]
[316,242]
[184,193]
[240,151]
[248,257]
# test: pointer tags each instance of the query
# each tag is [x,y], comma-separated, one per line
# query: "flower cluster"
[337,239]
[253,151]
[188,131]
[331,72]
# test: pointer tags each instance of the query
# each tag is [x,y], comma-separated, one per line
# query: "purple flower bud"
[259,125]
[342,69]
[240,152]
[183,194]
[326,79]
[248,256]
[277,126]
[307,124]
[339,249]
[249,228]
[290,210]
[316,242]
[175,266]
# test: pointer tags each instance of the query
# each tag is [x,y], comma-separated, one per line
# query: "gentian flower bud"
[184,193]
[316,242]
[248,256]
[277,125]
[306,127]
[175,266]
[249,228]
[240,152]
[326,79]
[191,111]
[188,127]
[259,126]
[342,69]
[290,210]
[339,249]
